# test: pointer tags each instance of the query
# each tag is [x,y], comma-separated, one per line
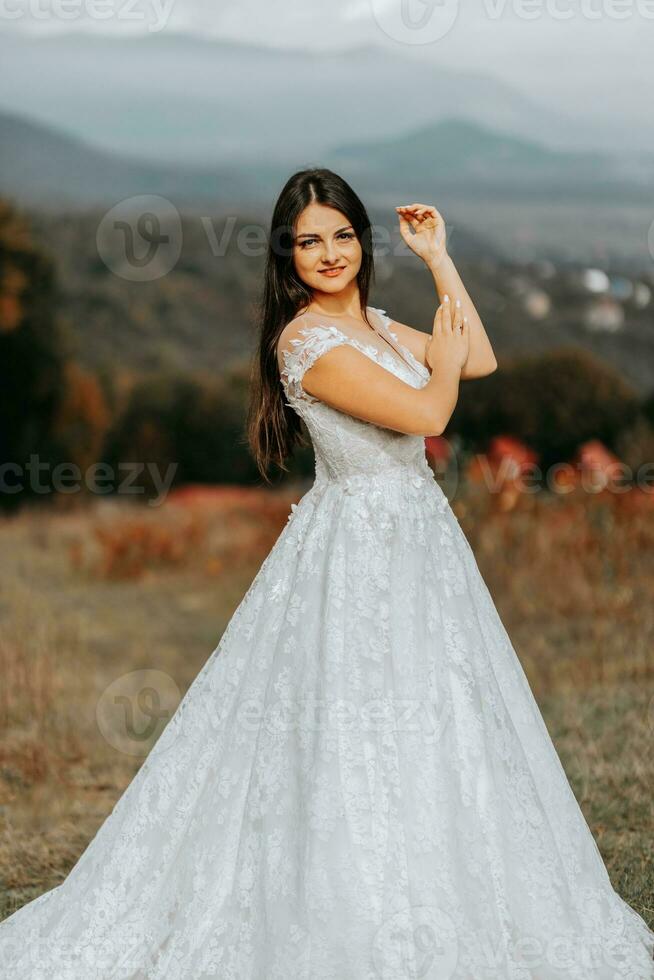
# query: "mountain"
[41,165]
[456,153]
[172,98]
[520,197]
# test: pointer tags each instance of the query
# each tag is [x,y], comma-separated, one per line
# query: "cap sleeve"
[300,352]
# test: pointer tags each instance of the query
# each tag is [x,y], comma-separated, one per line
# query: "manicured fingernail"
[458,302]
[465,319]
[446,298]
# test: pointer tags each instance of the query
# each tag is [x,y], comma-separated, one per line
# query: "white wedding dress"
[359,784]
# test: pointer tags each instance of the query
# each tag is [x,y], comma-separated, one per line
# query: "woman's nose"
[329,253]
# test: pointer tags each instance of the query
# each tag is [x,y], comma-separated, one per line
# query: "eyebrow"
[306,234]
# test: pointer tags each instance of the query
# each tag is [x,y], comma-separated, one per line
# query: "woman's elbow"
[427,426]
[469,373]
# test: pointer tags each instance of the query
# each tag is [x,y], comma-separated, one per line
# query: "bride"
[359,784]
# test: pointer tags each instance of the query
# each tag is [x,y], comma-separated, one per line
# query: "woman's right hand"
[449,344]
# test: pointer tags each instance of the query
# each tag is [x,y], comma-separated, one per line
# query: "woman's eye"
[311,241]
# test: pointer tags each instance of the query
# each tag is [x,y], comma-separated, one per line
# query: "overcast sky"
[571,52]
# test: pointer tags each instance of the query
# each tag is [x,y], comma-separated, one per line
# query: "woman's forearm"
[447,380]
[481,359]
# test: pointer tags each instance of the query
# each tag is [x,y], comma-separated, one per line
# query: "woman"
[358,784]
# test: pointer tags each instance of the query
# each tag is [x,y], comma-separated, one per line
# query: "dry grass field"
[89,595]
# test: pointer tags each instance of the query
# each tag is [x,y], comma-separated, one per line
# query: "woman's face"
[324,239]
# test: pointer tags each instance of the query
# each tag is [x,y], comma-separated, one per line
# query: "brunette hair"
[273,428]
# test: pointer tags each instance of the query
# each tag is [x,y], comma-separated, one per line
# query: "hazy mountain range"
[175,98]
[40,164]
[91,120]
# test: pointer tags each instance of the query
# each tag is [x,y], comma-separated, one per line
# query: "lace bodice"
[358,785]
[347,448]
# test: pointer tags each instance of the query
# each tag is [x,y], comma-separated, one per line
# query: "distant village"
[604,297]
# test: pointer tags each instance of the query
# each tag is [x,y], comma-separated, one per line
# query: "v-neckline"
[388,339]
[381,331]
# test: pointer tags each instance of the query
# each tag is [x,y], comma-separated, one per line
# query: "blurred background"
[142,146]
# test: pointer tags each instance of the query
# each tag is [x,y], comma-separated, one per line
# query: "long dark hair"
[273,428]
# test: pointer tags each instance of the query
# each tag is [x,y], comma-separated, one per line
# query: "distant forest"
[96,368]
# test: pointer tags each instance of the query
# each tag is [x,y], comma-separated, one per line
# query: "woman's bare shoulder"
[293,334]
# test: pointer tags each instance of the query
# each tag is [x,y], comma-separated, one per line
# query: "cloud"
[579,62]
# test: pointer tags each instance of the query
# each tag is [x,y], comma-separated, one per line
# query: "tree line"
[66,414]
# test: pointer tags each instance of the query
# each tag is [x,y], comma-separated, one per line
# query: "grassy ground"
[89,596]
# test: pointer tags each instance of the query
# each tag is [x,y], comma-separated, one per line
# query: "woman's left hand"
[430,238]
